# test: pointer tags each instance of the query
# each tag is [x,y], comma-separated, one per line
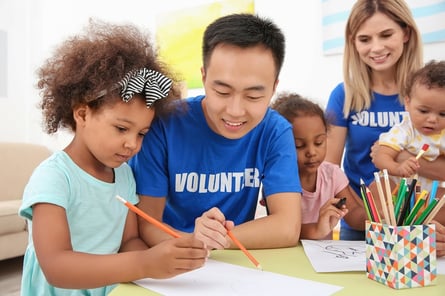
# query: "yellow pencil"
[147,217]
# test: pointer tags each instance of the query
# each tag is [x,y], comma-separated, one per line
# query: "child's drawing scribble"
[341,252]
[335,255]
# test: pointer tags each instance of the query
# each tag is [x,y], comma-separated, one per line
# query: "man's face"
[239,84]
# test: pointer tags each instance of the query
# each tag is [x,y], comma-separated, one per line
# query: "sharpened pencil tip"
[120,199]
[259,267]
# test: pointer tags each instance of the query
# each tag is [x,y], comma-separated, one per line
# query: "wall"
[35,27]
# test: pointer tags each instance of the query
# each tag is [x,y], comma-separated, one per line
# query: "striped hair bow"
[149,83]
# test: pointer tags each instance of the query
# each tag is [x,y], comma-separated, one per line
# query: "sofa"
[18,161]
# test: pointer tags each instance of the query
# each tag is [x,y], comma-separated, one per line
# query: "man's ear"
[275,85]
[203,74]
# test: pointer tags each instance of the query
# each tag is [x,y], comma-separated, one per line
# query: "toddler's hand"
[408,168]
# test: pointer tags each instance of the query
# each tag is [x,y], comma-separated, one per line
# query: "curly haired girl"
[106,86]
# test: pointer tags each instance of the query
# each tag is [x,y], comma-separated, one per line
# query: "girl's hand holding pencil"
[329,214]
[173,256]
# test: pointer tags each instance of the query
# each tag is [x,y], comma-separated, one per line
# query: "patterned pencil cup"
[401,256]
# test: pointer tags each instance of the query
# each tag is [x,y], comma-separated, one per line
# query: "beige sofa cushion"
[10,221]
[18,161]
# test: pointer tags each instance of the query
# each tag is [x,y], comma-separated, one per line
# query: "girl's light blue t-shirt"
[96,218]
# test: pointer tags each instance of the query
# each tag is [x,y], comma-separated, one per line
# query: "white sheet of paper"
[218,278]
[336,255]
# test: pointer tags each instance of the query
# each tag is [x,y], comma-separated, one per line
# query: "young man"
[200,171]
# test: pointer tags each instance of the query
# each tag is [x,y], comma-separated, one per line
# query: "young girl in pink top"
[323,183]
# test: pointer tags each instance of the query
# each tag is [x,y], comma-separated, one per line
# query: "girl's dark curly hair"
[86,64]
[291,105]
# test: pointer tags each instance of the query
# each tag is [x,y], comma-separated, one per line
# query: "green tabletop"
[293,262]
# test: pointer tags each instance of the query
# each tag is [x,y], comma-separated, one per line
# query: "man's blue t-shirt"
[196,169]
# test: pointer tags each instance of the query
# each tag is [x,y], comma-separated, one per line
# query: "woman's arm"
[336,144]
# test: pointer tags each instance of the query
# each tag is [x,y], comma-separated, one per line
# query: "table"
[293,262]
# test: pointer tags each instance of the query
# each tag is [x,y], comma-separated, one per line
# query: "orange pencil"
[242,248]
[147,217]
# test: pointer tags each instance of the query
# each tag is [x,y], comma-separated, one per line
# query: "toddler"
[424,124]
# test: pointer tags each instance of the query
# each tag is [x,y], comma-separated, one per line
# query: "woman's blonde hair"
[357,75]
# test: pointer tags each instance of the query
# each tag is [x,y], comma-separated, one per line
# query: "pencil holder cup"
[401,256]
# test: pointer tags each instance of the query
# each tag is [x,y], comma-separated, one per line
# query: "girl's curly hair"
[86,64]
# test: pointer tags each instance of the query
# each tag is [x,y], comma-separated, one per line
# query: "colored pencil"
[389,200]
[382,198]
[373,206]
[415,196]
[371,203]
[422,151]
[395,190]
[407,201]
[426,212]
[365,201]
[147,217]
[435,210]
[242,248]
[419,203]
[400,198]
[434,188]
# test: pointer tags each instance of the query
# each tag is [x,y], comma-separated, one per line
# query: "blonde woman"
[382,47]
